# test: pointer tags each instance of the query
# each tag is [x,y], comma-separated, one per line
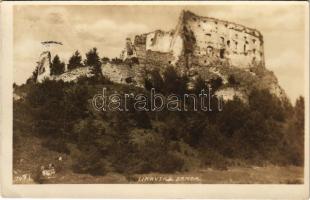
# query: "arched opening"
[222,53]
[228,43]
[209,50]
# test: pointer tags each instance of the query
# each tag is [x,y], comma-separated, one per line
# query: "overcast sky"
[106,27]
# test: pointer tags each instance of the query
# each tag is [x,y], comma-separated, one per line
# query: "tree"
[57,66]
[267,104]
[93,60]
[105,60]
[173,82]
[232,80]
[116,61]
[154,81]
[300,113]
[75,61]
[199,85]
[216,83]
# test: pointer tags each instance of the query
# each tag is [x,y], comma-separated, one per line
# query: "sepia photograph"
[159,93]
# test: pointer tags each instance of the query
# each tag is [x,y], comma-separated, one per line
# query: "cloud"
[55,18]
[109,29]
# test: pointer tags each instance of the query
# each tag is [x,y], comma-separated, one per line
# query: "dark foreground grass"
[30,155]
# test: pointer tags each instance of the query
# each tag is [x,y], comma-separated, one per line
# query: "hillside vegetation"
[262,131]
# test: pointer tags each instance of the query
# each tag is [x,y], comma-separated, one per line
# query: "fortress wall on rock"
[205,40]
[219,39]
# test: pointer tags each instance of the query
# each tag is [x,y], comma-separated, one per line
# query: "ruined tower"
[44,66]
[202,40]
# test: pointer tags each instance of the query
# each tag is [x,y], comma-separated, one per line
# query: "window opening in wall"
[222,52]
[254,41]
[244,48]
[254,51]
[228,43]
[209,50]
[236,45]
[128,80]
[222,40]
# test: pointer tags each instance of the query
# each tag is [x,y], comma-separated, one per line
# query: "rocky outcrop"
[43,68]
[74,74]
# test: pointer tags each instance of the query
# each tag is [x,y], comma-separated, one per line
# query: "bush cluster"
[263,130]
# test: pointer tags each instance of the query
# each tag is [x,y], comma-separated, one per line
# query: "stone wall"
[74,74]
[140,47]
[205,40]
[219,39]
[153,50]
[159,41]
[119,73]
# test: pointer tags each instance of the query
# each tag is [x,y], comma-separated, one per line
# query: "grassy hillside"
[56,119]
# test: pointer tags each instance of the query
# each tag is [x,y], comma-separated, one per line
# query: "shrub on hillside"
[142,142]
[75,61]
[57,67]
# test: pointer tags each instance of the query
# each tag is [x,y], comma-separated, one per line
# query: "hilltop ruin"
[198,46]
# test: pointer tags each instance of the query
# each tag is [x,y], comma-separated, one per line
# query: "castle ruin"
[200,41]
[195,43]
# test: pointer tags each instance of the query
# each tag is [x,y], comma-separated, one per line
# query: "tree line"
[75,61]
[92,60]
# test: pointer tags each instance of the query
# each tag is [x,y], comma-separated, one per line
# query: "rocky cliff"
[43,68]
